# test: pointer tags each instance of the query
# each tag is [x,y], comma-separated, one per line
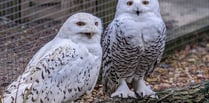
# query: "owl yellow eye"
[80,23]
[129,3]
[96,23]
[145,2]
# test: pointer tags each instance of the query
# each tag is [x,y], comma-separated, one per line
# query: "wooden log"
[196,93]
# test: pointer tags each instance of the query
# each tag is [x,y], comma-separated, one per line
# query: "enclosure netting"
[26,25]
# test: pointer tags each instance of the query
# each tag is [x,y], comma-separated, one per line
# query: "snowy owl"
[132,46]
[65,68]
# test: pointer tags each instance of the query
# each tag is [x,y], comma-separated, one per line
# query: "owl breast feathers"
[132,46]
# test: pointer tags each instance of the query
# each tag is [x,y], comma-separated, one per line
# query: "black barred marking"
[79,89]
[32,99]
[42,75]
[38,68]
[26,89]
[69,90]
[35,90]
[63,55]
[12,98]
[75,89]
[37,80]
[41,101]
[48,71]
[44,66]
[60,61]
[84,73]
[7,92]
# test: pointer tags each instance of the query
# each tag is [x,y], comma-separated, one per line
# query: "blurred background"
[26,25]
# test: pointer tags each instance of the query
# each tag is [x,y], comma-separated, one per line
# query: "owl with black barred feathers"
[65,68]
[132,45]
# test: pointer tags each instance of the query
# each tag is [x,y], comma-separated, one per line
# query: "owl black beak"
[138,12]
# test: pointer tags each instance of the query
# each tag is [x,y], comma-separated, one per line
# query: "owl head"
[137,7]
[82,27]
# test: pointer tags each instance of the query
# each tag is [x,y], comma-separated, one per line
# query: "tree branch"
[192,93]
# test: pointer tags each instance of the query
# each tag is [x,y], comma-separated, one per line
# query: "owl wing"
[64,73]
[163,39]
[109,78]
[114,66]
[161,30]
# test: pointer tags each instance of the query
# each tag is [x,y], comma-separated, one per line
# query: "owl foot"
[143,90]
[123,91]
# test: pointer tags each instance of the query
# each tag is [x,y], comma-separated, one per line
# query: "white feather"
[64,69]
[132,46]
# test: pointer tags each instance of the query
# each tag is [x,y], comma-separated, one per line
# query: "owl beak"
[89,34]
[138,12]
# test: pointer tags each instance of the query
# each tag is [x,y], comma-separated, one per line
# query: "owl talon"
[123,94]
[143,91]
[123,91]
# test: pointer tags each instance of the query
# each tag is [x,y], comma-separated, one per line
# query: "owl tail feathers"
[109,85]
[8,98]
[16,93]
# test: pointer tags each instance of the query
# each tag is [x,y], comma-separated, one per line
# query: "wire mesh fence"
[26,25]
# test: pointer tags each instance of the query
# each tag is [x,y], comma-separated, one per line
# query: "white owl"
[65,68]
[132,45]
